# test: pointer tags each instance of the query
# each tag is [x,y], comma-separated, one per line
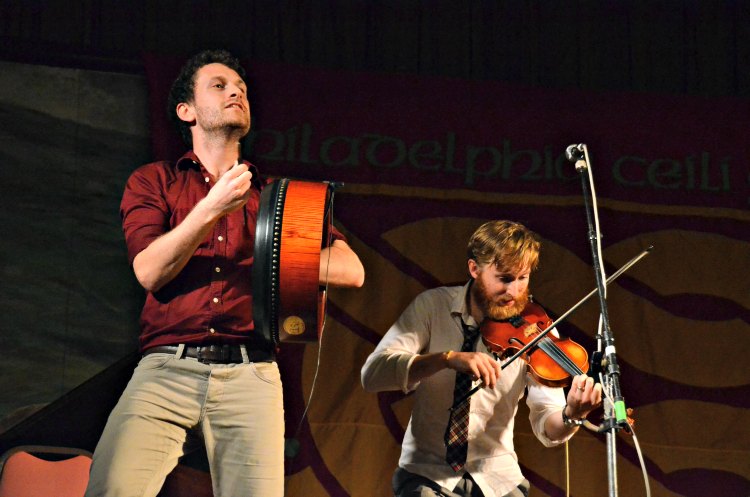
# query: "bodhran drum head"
[294,220]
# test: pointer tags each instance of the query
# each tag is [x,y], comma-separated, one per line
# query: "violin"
[552,361]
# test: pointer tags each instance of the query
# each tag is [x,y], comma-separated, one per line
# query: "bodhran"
[294,220]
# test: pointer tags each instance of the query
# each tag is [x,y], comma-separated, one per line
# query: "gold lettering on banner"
[501,160]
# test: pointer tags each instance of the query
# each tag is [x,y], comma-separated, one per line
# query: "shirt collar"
[460,307]
[191,161]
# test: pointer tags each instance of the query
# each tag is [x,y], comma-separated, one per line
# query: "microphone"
[574,152]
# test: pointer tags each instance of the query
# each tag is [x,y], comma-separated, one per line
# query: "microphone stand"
[615,414]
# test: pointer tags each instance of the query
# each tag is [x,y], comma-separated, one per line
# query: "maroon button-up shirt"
[210,300]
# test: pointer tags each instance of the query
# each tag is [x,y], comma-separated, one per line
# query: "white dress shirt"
[432,323]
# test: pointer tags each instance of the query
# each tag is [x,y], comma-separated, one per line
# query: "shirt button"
[221,238]
[212,330]
[217,269]
[206,179]
[216,300]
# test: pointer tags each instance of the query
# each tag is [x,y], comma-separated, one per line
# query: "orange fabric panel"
[25,475]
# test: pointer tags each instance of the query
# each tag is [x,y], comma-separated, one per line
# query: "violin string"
[547,345]
[565,361]
[551,349]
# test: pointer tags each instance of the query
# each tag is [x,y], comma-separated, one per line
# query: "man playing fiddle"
[433,350]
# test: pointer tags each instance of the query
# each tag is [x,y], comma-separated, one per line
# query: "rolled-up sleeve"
[544,402]
[144,210]
[387,368]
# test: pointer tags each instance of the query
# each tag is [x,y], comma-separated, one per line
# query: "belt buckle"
[225,353]
[213,353]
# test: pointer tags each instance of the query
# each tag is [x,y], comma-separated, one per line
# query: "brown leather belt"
[215,354]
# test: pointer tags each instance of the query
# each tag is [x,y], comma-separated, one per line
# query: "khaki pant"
[406,484]
[236,408]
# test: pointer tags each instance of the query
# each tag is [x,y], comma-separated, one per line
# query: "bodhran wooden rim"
[293,221]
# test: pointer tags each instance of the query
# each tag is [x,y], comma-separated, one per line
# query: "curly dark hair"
[183,88]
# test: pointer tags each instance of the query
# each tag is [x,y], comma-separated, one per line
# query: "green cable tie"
[620,411]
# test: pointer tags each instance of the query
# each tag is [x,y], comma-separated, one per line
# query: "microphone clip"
[576,154]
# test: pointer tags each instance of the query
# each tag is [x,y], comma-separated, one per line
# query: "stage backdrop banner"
[424,161]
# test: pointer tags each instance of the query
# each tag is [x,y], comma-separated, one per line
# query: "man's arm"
[478,365]
[400,360]
[583,397]
[387,367]
[386,370]
[164,258]
[340,266]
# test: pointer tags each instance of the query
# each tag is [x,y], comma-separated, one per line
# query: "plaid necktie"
[457,432]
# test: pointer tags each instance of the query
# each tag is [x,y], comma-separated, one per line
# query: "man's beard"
[215,123]
[492,309]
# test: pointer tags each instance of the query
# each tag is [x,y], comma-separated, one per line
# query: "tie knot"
[470,336]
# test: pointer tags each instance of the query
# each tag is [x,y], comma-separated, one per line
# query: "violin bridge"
[530,330]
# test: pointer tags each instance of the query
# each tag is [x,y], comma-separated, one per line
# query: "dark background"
[679,47]
[69,255]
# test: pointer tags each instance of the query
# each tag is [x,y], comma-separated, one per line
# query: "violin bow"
[543,333]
